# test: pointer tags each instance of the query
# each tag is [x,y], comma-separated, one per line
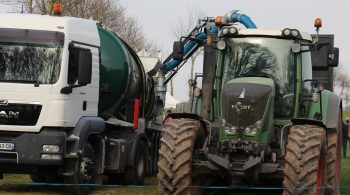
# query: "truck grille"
[19,114]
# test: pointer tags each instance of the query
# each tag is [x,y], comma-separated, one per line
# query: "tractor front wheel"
[177,145]
[305,161]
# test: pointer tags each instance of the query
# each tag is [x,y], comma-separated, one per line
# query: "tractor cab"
[262,71]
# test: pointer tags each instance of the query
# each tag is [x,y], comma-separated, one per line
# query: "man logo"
[8,114]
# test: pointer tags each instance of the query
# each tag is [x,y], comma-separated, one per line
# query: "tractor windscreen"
[30,56]
[263,57]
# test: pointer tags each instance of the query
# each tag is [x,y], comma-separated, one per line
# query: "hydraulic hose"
[189,46]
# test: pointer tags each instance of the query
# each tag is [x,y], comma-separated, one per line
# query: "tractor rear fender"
[334,109]
[331,106]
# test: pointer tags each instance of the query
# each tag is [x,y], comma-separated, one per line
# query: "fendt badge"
[239,107]
[8,114]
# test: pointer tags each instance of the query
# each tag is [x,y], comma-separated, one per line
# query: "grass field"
[20,184]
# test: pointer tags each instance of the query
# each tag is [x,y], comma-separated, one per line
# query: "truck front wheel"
[85,168]
[305,161]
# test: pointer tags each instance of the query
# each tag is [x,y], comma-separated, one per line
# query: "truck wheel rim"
[319,181]
[86,169]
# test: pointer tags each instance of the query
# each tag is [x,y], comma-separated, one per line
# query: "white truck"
[75,103]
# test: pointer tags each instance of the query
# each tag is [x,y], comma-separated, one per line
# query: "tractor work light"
[221,45]
[51,148]
[228,31]
[225,31]
[233,30]
[229,129]
[253,129]
[295,33]
[287,32]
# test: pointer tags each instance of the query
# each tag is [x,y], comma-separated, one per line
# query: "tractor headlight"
[229,129]
[253,129]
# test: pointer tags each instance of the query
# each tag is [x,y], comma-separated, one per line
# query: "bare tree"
[342,83]
[182,28]
[109,12]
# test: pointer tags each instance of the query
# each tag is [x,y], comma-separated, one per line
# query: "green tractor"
[265,113]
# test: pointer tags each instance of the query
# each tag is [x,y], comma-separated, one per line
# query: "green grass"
[345,175]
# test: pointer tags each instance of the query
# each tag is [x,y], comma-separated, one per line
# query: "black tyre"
[305,161]
[334,140]
[85,168]
[175,157]
[38,178]
[135,175]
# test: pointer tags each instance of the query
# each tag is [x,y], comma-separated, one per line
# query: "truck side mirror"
[333,57]
[178,50]
[84,66]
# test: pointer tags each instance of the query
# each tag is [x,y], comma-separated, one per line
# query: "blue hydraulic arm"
[197,37]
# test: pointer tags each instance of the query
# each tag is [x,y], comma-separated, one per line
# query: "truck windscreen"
[30,56]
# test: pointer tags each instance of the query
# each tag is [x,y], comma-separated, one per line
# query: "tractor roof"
[267,32]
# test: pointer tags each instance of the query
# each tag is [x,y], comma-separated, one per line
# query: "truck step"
[72,138]
[71,155]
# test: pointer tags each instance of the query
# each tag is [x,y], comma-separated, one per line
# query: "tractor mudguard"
[331,105]
[334,106]
[206,124]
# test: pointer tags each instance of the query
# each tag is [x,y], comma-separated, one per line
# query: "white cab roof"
[77,29]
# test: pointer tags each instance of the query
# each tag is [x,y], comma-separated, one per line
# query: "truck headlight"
[253,129]
[51,148]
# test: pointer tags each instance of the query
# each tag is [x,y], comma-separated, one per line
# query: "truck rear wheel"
[305,161]
[334,140]
[175,156]
[135,175]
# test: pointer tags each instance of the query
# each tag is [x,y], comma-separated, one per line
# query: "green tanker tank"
[122,80]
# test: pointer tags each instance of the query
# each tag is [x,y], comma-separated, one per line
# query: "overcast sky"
[157,17]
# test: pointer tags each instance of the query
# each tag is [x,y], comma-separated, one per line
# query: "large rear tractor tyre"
[175,155]
[334,140]
[135,175]
[305,161]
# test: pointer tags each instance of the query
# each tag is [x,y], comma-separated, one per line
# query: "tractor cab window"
[263,57]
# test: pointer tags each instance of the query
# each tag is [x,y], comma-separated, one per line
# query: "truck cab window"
[30,56]
[73,66]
